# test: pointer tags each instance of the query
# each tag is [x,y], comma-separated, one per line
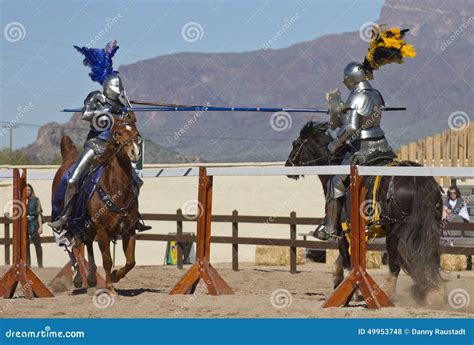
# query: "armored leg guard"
[331,223]
[72,189]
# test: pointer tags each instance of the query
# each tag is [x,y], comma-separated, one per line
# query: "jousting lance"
[200,108]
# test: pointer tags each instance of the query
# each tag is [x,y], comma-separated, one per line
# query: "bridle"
[129,140]
[319,159]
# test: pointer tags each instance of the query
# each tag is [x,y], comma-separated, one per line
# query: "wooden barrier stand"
[358,277]
[202,269]
[19,272]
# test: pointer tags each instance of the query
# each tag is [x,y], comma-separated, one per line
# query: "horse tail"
[68,149]
[419,244]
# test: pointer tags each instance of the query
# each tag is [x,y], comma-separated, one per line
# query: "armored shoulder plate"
[365,102]
[95,97]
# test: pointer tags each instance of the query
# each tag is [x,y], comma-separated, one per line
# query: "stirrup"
[142,227]
[321,234]
[63,238]
[58,224]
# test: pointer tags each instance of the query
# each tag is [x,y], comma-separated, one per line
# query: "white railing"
[455,172]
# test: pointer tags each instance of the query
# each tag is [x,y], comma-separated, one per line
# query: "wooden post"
[293,238]
[20,273]
[7,239]
[412,152]
[437,153]
[179,231]
[446,160]
[202,269]
[235,246]
[470,145]
[404,152]
[358,278]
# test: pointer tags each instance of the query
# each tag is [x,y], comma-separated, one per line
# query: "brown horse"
[117,181]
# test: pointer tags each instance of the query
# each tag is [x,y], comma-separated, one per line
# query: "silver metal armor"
[358,137]
[96,111]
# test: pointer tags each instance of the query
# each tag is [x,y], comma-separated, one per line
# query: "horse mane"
[311,127]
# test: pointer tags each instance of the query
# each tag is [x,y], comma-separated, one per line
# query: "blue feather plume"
[99,60]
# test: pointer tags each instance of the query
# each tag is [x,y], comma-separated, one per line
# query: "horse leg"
[92,268]
[390,284]
[338,271]
[339,264]
[77,278]
[128,244]
[104,245]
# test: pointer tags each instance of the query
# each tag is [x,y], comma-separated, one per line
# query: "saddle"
[80,220]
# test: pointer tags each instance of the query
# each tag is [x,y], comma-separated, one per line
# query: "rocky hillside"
[46,148]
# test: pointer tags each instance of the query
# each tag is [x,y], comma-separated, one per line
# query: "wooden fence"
[451,148]
[235,240]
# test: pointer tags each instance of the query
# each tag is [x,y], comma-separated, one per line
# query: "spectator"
[454,208]
[34,225]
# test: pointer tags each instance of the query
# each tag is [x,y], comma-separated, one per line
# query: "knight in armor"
[358,137]
[100,108]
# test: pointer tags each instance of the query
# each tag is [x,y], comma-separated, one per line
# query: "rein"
[105,197]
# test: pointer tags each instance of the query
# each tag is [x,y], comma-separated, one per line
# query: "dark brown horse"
[117,181]
[410,211]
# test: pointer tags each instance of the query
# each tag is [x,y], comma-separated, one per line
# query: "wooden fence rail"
[451,148]
[235,240]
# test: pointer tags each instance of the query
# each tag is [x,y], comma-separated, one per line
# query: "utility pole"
[10,128]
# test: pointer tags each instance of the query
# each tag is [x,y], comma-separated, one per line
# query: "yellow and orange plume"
[388,46]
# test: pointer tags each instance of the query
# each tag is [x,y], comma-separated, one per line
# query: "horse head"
[126,139]
[310,148]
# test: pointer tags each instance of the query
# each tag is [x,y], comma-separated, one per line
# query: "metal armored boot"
[331,221]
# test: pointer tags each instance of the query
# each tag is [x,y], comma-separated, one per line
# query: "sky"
[41,73]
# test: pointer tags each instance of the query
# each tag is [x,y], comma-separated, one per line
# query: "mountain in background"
[432,86]
[46,148]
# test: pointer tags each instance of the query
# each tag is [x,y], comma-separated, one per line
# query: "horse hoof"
[114,276]
[92,283]
[77,281]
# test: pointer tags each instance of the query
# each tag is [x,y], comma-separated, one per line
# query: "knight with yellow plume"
[355,123]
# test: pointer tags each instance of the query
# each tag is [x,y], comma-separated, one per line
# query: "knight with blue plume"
[100,108]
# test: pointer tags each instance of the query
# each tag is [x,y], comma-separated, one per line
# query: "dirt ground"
[259,292]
